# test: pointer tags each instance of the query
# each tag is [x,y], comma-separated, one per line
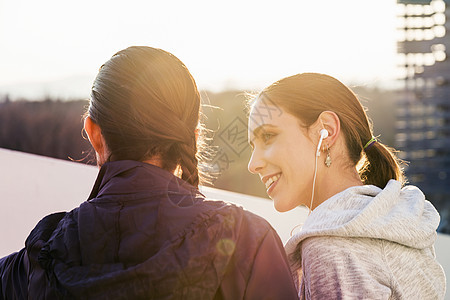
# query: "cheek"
[273,152]
[291,157]
[299,171]
[298,158]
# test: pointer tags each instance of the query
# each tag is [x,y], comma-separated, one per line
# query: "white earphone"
[323,135]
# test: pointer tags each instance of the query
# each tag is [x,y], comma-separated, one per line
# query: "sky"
[56,47]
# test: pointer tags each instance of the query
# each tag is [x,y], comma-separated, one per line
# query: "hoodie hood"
[396,214]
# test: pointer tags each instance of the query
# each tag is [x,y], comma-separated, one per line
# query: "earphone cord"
[314,185]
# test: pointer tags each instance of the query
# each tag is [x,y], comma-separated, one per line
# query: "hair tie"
[369,144]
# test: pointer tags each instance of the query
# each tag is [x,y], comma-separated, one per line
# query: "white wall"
[33,186]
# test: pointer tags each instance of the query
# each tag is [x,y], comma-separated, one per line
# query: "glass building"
[423,111]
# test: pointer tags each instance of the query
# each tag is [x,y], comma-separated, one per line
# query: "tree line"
[53,128]
[50,128]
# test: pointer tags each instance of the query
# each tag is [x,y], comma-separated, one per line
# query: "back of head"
[307,95]
[146,104]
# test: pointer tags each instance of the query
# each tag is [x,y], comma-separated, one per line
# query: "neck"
[334,181]
[156,161]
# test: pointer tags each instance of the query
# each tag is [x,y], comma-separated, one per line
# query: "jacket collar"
[137,176]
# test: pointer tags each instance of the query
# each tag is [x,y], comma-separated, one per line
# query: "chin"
[281,207]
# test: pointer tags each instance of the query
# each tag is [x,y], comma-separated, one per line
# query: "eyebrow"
[258,130]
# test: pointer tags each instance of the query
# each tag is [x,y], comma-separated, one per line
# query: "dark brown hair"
[307,95]
[147,104]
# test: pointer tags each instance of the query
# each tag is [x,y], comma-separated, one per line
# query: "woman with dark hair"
[146,232]
[367,236]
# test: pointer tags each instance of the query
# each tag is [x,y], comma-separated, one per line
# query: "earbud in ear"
[323,135]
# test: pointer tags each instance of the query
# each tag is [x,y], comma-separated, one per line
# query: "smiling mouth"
[272,180]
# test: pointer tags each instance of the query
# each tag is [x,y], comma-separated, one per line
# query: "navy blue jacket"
[146,234]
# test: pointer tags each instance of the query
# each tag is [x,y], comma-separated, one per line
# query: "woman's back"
[146,231]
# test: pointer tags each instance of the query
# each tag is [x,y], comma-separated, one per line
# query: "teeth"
[272,180]
[269,182]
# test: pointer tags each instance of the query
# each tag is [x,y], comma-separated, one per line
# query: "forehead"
[264,112]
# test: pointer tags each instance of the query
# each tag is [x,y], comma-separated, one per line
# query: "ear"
[330,121]
[197,133]
[95,137]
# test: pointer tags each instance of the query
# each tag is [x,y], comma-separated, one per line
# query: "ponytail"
[379,165]
[189,164]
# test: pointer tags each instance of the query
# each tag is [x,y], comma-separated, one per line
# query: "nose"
[256,163]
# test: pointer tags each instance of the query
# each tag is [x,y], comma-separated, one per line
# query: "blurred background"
[393,54]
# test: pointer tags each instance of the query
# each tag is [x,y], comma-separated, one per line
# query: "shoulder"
[339,255]
[251,232]
[246,220]
[342,248]
[44,229]
[242,228]
[17,268]
[14,276]
[416,269]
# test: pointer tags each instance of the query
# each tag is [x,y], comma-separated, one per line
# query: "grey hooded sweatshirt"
[369,243]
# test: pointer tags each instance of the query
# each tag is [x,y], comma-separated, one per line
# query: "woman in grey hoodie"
[367,236]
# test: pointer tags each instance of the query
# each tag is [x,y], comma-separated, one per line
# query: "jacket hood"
[396,214]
